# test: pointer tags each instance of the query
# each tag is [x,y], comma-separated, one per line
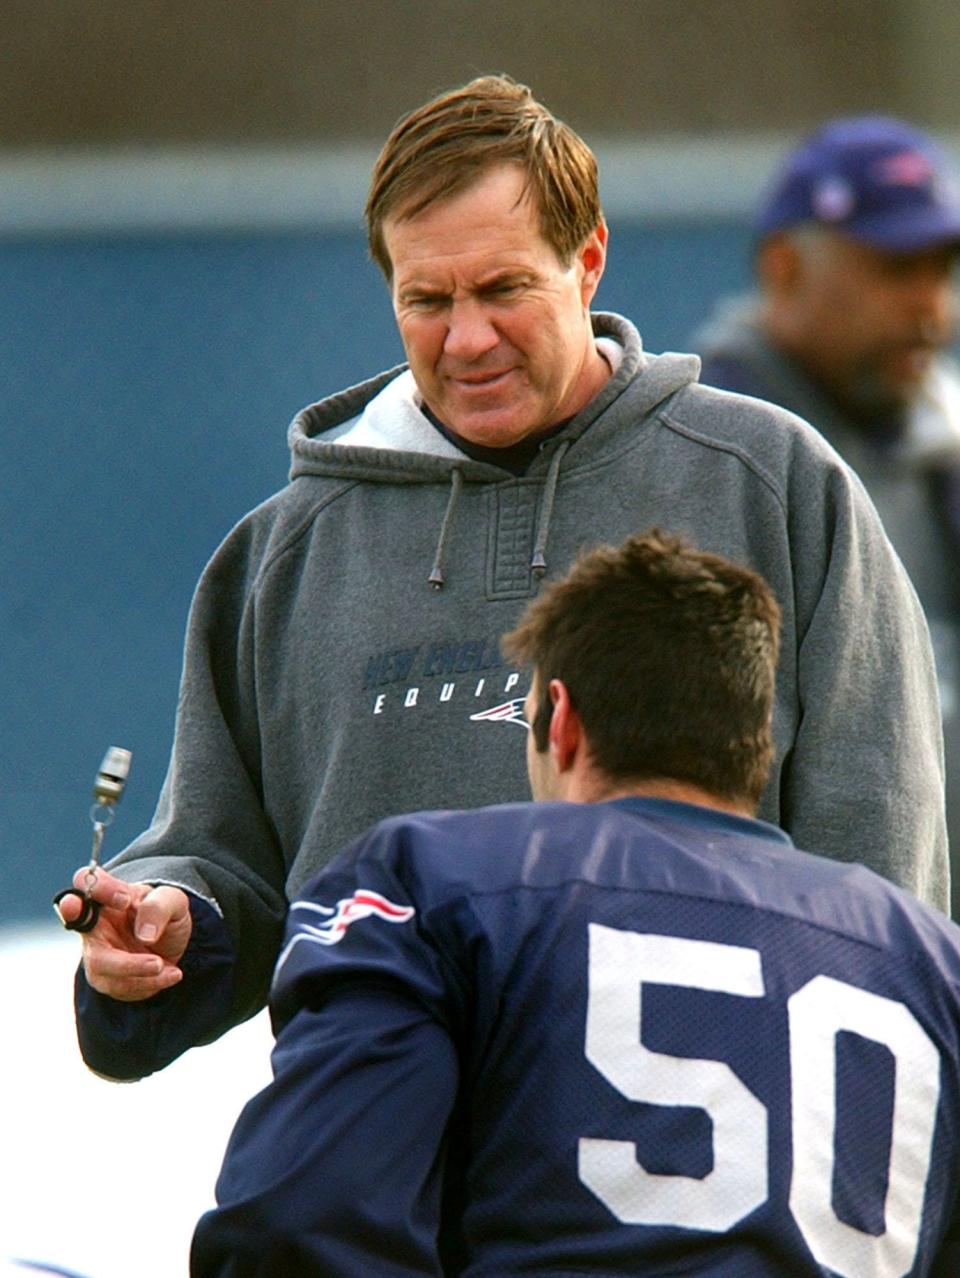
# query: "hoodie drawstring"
[436,572]
[538,563]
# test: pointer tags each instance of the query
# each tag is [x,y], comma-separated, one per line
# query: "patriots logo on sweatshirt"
[505,712]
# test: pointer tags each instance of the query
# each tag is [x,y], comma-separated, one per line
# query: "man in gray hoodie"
[856,242]
[342,660]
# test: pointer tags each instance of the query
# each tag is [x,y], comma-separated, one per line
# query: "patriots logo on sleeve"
[363,904]
[348,910]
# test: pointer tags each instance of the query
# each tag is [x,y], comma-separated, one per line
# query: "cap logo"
[832,199]
[906,168]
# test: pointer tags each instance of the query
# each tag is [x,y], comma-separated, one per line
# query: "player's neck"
[591,787]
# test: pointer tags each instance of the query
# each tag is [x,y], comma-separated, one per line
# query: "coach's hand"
[133,951]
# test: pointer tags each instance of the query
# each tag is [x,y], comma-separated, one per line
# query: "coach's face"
[496,328]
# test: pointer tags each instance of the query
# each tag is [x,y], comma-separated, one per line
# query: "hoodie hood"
[376,431]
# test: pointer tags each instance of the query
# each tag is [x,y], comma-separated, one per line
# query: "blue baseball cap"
[872,177]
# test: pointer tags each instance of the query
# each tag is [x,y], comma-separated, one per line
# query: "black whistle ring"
[86,920]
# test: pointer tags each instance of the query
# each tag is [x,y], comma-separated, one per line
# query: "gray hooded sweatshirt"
[329,682]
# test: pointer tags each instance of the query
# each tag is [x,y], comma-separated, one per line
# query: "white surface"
[106,1179]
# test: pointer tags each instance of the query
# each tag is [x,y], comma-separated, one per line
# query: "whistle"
[112,776]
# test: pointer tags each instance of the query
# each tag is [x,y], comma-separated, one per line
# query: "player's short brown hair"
[441,147]
[669,656]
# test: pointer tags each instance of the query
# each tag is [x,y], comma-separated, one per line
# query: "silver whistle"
[112,776]
[107,789]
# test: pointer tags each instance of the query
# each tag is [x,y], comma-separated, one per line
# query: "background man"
[611,1031]
[856,244]
[342,661]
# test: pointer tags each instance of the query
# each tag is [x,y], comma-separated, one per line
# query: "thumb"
[163,921]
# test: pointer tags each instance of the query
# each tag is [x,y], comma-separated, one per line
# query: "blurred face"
[868,323]
[496,329]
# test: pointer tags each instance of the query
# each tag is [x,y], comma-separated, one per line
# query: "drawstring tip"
[538,564]
[436,573]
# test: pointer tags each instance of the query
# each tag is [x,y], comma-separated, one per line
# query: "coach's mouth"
[479,382]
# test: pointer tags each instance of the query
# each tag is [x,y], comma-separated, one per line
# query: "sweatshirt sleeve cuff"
[126,1041]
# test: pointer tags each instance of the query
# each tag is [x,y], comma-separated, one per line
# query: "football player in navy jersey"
[628,1029]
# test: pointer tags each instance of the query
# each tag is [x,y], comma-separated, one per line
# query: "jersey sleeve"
[947,1261]
[336,1167]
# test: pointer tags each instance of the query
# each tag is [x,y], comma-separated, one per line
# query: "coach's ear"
[591,260]
[566,730]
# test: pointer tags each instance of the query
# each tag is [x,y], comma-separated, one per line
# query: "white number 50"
[620,964]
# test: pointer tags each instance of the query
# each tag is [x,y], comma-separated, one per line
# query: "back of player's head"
[440,148]
[669,657]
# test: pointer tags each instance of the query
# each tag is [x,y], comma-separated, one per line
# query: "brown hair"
[669,657]
[441,147]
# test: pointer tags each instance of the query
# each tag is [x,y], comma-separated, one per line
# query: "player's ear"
[566,730]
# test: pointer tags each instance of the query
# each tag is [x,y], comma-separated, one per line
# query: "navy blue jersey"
[634,1037]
